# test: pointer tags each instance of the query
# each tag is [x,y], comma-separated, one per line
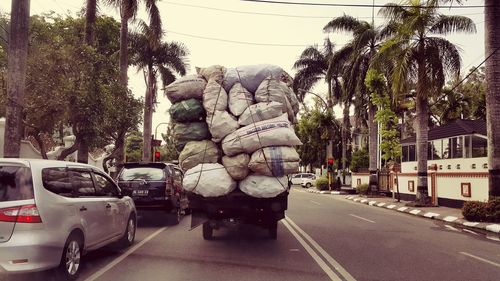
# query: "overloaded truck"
[234,130]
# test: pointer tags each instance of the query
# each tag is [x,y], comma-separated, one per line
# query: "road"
[324,237]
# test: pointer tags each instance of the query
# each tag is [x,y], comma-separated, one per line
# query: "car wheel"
[70,265]
[176,216]
[129,235]
[208,231]
[308,185]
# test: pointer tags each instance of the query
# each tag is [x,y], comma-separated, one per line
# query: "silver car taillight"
[21,214]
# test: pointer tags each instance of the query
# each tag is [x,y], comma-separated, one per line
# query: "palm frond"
[447,24]
[166,75]
[344,23]
[154,19]
[393,11]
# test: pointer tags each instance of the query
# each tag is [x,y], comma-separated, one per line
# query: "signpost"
[330,172]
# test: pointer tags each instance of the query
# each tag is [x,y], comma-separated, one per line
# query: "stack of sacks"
[249,115]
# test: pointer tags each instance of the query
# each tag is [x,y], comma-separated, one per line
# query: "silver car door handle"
[83,208]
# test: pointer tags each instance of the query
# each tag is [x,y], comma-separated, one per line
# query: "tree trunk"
[492,38]
[90,17]
[422,133]
[148,116]
[69,150]
[41,145]
[344,135]
[372,148]
[16,81]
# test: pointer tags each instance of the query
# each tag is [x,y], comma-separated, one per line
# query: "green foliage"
[169,152]
[385,116]
[482,211]
[322,183]
[360,160]
[315,129]
[133,147]
[362,189]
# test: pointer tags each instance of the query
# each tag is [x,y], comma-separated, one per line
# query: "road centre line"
[124,255]
[317,203]
[481,259]
[361,218]
[313,254]
[346,275]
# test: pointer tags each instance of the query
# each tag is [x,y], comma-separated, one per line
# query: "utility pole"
[16,77]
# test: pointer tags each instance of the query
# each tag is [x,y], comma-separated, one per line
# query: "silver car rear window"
[15,183]
[142,173]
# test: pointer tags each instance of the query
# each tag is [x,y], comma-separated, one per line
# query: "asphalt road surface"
[324,237]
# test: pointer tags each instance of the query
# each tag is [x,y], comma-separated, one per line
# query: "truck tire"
[273,230]
[208,231]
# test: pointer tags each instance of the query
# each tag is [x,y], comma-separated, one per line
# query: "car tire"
[273,230]
[175,216]
[308,185]
[129,235]
[208,231]
[69,267]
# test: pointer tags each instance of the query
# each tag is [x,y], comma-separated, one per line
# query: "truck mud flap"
[197,219]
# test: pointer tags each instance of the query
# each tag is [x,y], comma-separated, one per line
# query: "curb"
[325,192]
[490,228]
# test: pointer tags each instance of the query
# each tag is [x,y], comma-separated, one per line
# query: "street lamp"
[156,129]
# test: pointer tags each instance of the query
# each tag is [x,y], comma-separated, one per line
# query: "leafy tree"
[360,160]
[424,58]
[133,147]
[169,152]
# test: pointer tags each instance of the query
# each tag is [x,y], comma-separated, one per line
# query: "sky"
[233,33]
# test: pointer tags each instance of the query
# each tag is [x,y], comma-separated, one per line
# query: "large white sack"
[214,97]
[275,161]
[237,166]
[239,99]
[259,112]
[214,72]
[273,132]
[250,76]
[197,152]
[184,88]
[263,186]
[272,89]
[208,180]
[221,124]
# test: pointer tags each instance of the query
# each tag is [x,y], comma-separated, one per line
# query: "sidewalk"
[452,216]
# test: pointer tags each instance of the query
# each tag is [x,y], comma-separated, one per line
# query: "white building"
[458,169]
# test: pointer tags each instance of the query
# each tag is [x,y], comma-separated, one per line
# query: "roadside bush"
[482,211]
[322,183]
[362,188]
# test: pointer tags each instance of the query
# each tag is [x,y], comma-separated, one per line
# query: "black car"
[154,186]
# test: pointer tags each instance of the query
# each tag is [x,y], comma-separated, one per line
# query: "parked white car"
[52,212]
[304,179]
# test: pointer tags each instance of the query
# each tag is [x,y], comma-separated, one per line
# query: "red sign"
[330,161]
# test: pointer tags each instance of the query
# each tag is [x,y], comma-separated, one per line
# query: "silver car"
[51,212]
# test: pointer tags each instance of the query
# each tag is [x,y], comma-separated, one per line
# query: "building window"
[446,149]
[358,182]
[411,186]
[457,146]
[405,153]
[479,146]
[411,153]
[437,149]
[466,192]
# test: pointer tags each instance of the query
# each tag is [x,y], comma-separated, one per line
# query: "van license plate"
[140,192]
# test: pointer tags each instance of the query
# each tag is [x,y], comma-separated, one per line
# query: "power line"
[354,5]
[237,42]
[475,68]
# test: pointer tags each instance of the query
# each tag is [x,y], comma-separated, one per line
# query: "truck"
[237,207]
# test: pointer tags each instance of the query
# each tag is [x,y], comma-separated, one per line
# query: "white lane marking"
[294,250]
[470,231]
[430,215]
[402,209]
[346,275]
[481,259]
[415,212]
[361,218]
[451,227]
[391,207]
[124,255]
[381,204]
[371,203]
[311,252]
[492,237]
[450,218]
[317,203]
[493,227]
[467,223]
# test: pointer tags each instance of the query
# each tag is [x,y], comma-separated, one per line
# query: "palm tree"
[359,52]
[16,81]
[423,57]
[155,58]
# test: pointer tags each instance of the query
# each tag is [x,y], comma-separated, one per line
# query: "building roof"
[456,128]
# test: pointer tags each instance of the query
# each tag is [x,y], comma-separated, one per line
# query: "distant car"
[52,212]
[308,181]
[303,179]
[155,186]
